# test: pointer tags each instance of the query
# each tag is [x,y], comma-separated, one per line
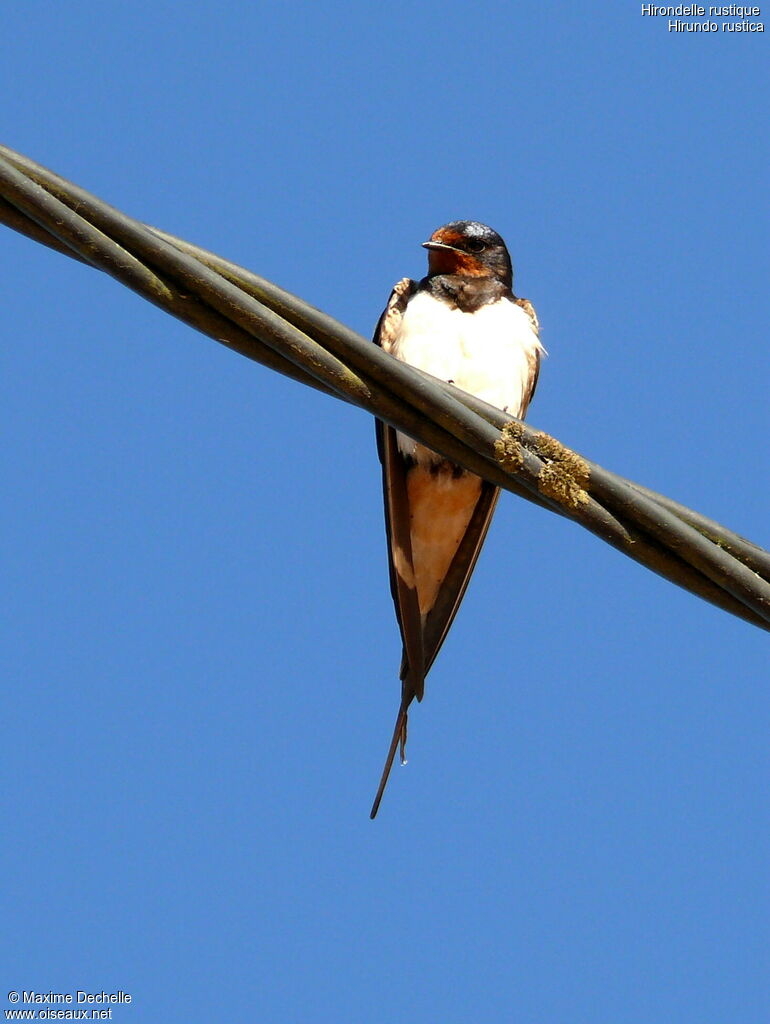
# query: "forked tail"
[399,737]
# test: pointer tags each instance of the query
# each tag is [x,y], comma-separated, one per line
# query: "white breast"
[487,353]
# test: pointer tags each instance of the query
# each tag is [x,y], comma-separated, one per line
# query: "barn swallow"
[463,324]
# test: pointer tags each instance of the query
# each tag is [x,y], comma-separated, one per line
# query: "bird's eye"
[476,245]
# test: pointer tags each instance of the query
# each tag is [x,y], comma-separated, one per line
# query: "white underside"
[487,353]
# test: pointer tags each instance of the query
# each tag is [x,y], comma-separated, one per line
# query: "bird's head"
[471,249]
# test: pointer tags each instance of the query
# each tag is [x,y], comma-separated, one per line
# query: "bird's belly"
[486,353]
[440,509]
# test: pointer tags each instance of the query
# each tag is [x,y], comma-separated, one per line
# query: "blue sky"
[200,653]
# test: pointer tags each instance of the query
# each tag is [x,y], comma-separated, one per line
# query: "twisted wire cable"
[257,319]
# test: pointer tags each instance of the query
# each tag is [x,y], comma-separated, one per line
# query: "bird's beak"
[439,246]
